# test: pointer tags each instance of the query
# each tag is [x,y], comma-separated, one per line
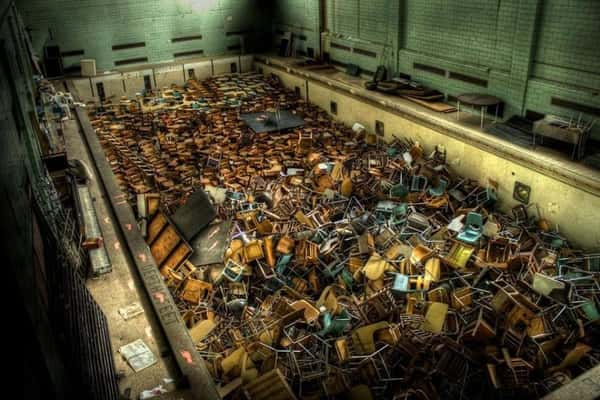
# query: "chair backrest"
[443,184]
[474,220]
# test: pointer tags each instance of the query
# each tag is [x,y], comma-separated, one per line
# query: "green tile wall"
[96,25]
[301,17]
[372,25]
[527,51]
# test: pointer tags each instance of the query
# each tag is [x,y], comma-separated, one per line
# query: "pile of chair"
[355,270]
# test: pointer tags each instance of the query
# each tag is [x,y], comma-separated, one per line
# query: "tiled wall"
[525,52]
[301,17]
[95,26]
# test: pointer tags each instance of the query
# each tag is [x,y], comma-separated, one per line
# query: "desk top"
[478,99]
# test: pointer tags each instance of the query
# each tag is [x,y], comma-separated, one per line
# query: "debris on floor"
[138,355]
[131,311]
[166,386]
[352,268]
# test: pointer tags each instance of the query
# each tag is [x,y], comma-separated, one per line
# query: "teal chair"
[334,326]
[282,263]
[333,269]
[401,284]
[473,228]
[439,190]
[418,183]
[347,278]
[399,191]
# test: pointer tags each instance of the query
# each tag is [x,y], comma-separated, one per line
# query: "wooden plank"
[177,257]
[433,105]
[165,244]
[156,226]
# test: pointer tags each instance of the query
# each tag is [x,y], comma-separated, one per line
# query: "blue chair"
[439,189]
[473,228]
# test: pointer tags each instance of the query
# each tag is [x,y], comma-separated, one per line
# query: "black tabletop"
[478,99]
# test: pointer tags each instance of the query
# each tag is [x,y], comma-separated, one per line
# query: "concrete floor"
[120,288]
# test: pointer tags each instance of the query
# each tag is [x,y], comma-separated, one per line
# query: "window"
[297,91]
[333,107]
[233,67]
[191,73]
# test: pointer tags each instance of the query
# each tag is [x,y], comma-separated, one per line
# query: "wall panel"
[97,25]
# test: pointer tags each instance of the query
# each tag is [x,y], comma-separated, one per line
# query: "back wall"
[144,31]
[536,55]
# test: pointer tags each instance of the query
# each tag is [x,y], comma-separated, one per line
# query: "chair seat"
[469,236]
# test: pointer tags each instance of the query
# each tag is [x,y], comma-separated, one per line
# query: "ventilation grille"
[233,33]
[575,106]
[128,46]
[186,38]
[72,53]
[367,53]
[338,63]
[72,69]
[340,47]
[469,79]
[188,53]
[429,68]
[131,61]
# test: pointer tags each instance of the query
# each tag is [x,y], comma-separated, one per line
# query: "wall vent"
[186,38]
[429,68]
[571,105]
[367,53]
[131,61]
[188,53]
[340,47]
[338,63]
[469,79]
[128,46]
[72,69]
[72,53]
[232,33]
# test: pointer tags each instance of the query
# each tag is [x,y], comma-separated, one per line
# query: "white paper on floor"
[130,311]
[138,355]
